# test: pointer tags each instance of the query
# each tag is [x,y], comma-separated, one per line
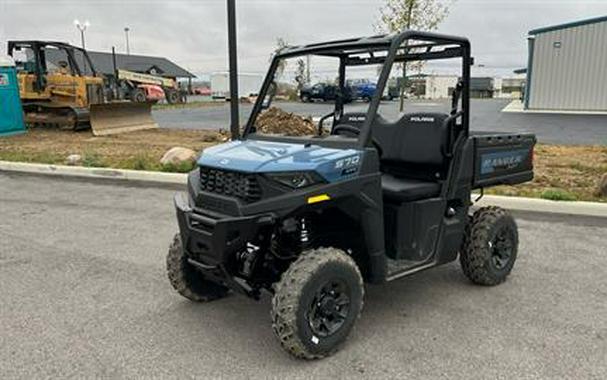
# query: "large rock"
[73,159]
[602,190]
[177,155]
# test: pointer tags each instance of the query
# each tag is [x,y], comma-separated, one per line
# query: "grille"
[232,184]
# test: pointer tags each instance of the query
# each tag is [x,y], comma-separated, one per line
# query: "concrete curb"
[544,206]
[591,209]
[94,173]
[516,106]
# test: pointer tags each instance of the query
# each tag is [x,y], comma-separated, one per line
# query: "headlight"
[297,180]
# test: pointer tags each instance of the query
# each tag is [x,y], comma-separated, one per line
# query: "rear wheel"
[172,96]
[138,96]
[490,246]
[189,282]
[317,302]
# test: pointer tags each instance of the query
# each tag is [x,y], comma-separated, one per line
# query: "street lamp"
[126,33]
[82,27]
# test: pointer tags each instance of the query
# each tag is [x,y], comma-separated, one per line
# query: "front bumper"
[214,241]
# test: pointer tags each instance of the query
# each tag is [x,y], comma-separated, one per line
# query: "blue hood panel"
[266,157]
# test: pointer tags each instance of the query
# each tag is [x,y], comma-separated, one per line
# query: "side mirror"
[267,100]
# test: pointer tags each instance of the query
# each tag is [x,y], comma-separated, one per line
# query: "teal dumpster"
[11,113]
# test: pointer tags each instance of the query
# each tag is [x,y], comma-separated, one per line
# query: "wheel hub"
[329,309]
[501,249]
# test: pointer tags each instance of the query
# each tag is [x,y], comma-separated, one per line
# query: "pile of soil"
[276,121]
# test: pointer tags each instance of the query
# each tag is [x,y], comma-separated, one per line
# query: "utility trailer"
[248,85]
[310,219]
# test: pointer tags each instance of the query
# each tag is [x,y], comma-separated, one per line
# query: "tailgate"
[502,159]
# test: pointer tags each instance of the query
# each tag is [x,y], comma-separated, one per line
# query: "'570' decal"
[347,162]
[348,165]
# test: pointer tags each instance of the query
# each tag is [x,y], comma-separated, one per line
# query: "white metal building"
[567,68]
[440,86]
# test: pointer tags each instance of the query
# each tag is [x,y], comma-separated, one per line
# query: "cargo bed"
[502,158]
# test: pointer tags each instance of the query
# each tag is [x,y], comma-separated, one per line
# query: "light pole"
[233,59]
[82,27]
[126,34]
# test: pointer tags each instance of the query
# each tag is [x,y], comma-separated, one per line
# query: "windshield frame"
[346,51]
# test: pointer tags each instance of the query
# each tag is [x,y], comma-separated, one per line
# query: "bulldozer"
[59,86]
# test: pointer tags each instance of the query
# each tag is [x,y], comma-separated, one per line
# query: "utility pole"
[232,52]
[126,34]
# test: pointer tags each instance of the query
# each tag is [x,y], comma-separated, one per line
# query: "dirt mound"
[277,121]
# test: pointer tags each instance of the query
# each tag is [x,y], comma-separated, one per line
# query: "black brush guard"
[211,244]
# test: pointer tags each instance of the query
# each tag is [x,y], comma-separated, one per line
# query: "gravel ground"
[84,294]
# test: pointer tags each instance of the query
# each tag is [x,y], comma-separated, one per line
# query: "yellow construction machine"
[58,85]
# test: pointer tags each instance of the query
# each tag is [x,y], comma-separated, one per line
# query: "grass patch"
[196,104]
[93,160]
[139,150]
[182,167]
[558,195]
[563,173]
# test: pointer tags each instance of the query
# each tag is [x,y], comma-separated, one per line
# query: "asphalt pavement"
[83,293]
[486,115]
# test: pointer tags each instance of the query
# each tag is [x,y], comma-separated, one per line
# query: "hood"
[266,157]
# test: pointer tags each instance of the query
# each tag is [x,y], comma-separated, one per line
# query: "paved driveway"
[486,115]
[83,294]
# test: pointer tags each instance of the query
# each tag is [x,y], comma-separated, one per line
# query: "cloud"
[193,33]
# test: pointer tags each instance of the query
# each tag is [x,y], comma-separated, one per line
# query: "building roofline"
[568,25]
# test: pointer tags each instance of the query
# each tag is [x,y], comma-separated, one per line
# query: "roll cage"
[385,50]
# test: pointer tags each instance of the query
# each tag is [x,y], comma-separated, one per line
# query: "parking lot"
[84,294]
[486,115]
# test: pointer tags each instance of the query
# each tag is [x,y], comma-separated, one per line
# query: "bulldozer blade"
[120,117]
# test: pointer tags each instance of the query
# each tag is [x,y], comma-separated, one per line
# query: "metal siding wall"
[574,76]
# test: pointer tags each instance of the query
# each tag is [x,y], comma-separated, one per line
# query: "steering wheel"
[322,121]
[352,131]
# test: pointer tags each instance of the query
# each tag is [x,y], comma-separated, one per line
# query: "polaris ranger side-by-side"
[311,219]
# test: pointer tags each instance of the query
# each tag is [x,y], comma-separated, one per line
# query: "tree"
[399,15]
[301,73]
[281,44]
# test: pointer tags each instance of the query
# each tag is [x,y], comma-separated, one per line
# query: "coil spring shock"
[291,238]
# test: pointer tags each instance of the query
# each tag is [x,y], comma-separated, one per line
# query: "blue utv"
[312,219]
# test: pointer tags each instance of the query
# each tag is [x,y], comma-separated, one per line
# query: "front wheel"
[316,303]
[490,246]
[188,281]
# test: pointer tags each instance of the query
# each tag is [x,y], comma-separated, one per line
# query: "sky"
[193,33]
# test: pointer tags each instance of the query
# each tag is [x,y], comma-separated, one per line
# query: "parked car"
[204,91]
[364,91]
[324,92]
